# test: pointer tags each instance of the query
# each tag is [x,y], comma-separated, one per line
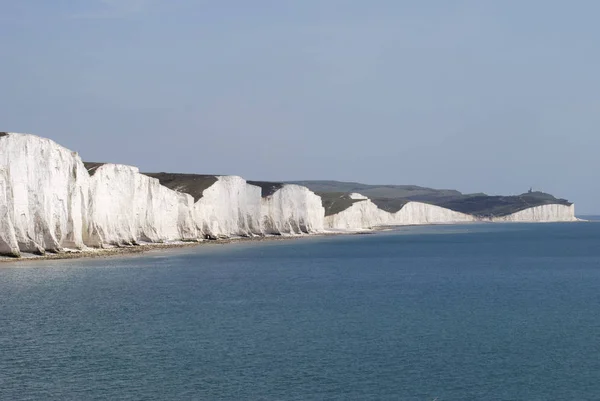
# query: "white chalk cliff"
[543,213]
[292,209]
[229,207]
[365,214]
[361,215]
[233,207]
[44,190]
[50,202]
[415,213]
[126,207]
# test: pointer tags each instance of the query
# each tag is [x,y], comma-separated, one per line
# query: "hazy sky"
[493,96]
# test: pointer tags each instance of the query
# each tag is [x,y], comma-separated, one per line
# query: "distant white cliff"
[364,214]
[414,213]
[361,215]
[544,213]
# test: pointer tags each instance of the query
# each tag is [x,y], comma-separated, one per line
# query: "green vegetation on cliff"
[392,198]
[193,184]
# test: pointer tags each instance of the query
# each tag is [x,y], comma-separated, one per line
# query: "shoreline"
[125,250]
[117,251]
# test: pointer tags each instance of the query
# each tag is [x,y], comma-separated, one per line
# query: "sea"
[462,312]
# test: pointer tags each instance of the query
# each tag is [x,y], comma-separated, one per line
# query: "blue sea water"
[473,312]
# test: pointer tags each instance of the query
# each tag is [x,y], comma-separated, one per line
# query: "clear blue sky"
[493,96]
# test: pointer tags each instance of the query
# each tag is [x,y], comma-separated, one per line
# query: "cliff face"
[544,213]
[366,214]
[423,213]
[229,207]
[127,207]
[292,209]
[43,194]
[361,215]
[8,239]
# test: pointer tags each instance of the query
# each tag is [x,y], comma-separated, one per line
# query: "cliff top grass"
[378,191]
[267,188]
[193,184]
[497,206]
[92,167]
[336,202]
[390,205]
[392,198]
